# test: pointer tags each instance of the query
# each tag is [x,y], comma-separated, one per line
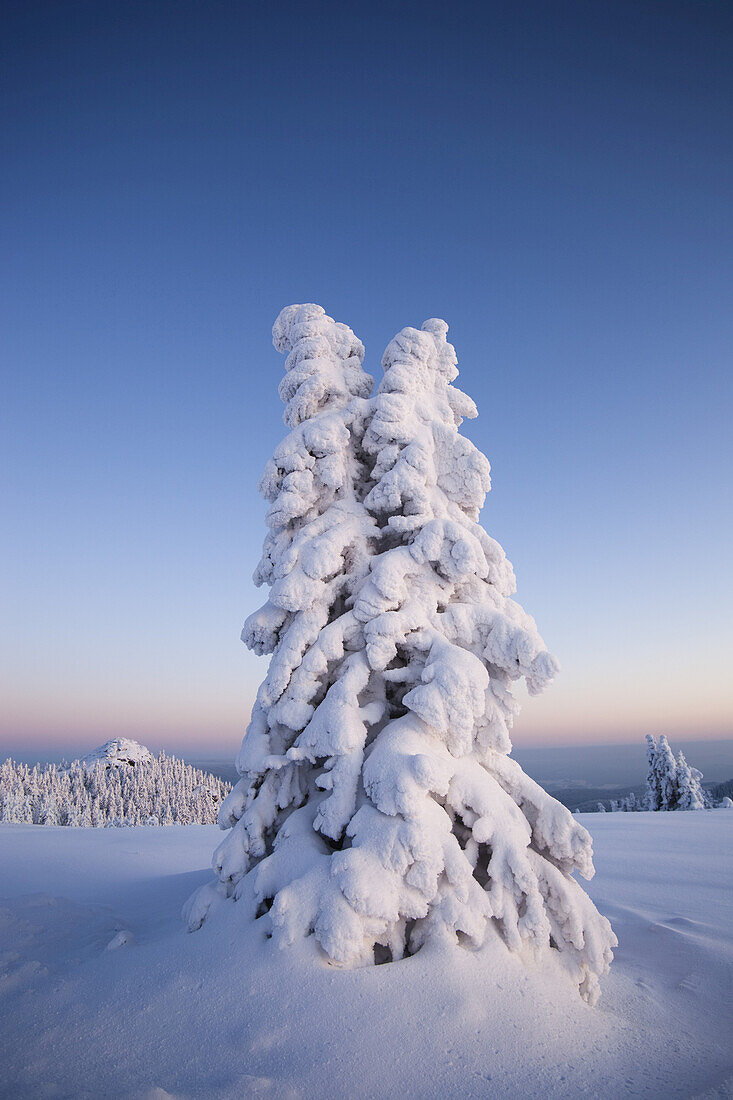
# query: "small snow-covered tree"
[652,797]
[629,804]
[671,783]
[661,781]
[378,806]
[690,795]
[667,771]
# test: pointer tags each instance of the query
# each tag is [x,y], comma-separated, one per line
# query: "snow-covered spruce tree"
[314,557]
[666,767]
[652,796]
[690,795]
[627,805]
[661,780]
[671,784]
[378,807]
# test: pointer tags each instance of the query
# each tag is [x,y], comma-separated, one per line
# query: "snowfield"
[104,994]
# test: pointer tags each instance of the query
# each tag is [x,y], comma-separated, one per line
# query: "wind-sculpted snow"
[378,808]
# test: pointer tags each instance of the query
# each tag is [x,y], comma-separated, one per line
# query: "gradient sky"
[555,179]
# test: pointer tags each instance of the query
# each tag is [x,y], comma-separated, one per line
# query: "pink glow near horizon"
[568,714]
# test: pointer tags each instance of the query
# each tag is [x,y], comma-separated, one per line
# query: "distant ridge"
[119,783]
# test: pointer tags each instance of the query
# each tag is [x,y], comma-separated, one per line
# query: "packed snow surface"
[104,994]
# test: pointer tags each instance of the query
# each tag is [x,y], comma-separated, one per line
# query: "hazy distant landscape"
[578,775]
[575,774]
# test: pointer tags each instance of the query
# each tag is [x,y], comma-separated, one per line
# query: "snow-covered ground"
[103,993]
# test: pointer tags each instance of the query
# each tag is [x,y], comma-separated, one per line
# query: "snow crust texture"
[378,808]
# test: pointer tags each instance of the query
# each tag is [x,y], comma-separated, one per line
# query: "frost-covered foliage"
[671,784]
[107,791]
[690,795]
[629,804]
[720,791]
[661,779]
[378,807]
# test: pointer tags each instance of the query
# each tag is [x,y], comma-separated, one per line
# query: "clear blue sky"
[555,179]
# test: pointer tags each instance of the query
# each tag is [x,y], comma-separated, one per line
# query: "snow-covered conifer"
[661,781]
[690,795]
[378,806]
[671,783]
[665,767]
[314,557]
[652,797]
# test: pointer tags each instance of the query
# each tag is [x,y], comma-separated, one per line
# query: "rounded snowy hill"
[121,750]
